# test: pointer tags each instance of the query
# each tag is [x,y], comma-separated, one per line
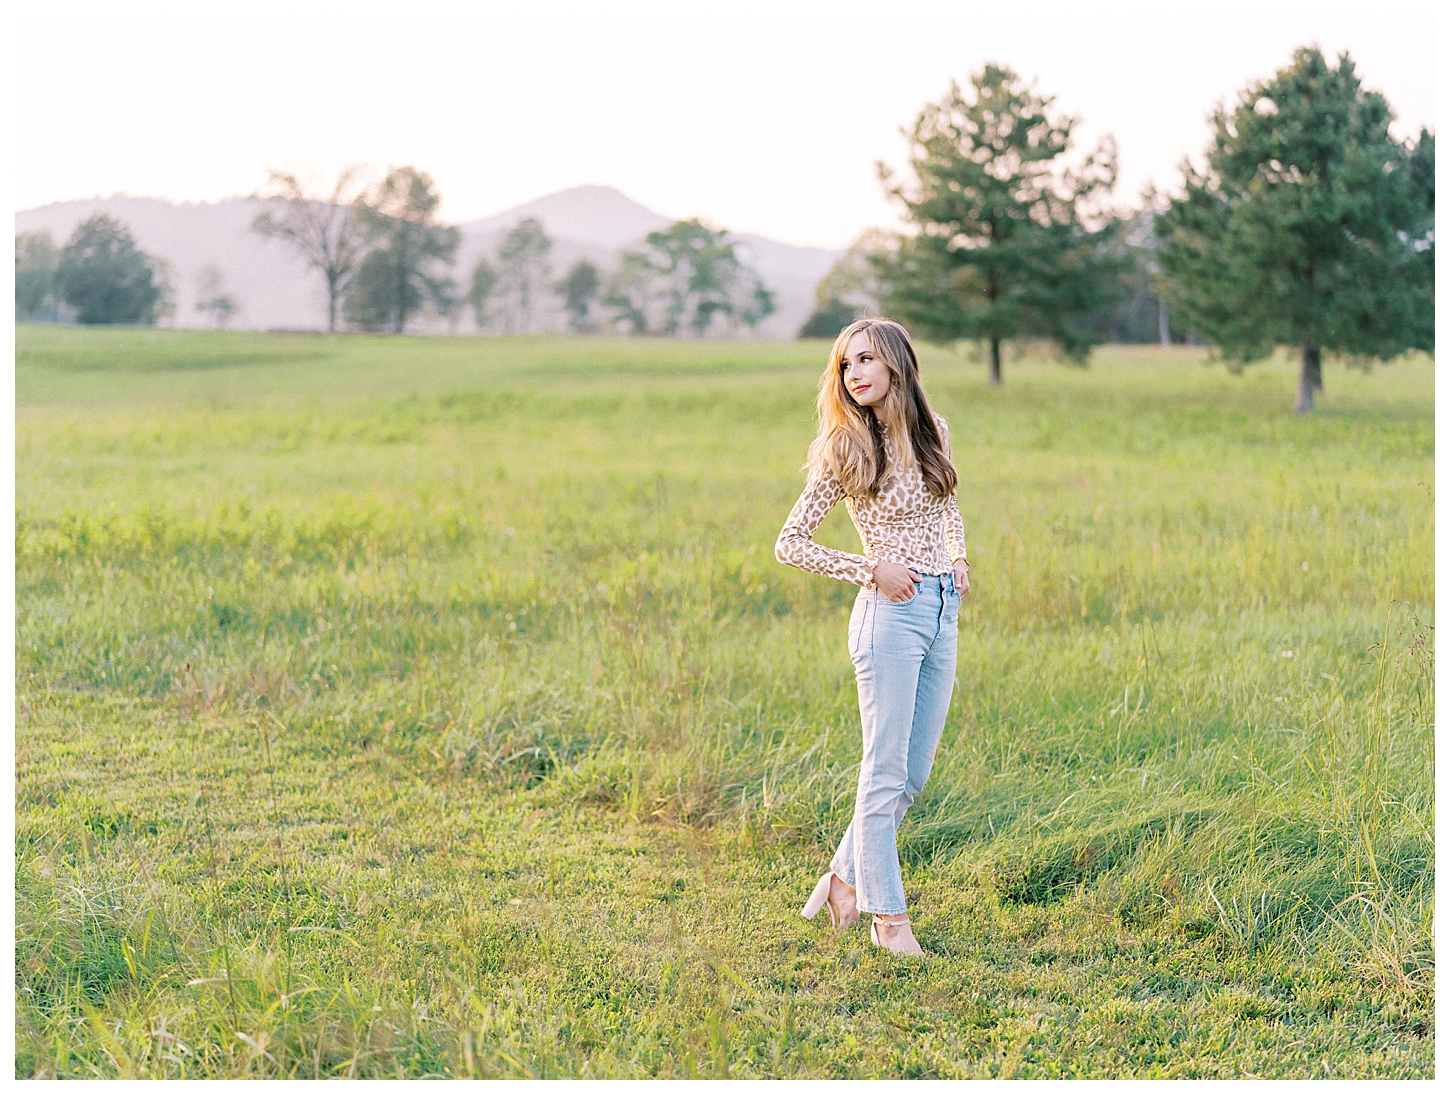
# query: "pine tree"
[1311,227]
[1001,249]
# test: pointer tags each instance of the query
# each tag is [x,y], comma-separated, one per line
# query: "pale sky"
[758,117]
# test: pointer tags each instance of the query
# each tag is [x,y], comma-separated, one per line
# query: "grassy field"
[404,707]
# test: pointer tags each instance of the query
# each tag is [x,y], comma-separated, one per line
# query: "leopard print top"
[905,523]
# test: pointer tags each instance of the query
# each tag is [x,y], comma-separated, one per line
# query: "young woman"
[882,448]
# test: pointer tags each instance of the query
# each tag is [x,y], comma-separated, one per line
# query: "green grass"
[436,707]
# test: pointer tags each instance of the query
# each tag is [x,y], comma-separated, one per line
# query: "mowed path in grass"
[393,706]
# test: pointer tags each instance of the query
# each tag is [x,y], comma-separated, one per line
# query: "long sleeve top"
[904,523]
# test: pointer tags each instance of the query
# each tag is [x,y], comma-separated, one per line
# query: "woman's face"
[867,377]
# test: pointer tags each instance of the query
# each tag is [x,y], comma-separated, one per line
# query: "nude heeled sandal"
[821,895]
[900,942]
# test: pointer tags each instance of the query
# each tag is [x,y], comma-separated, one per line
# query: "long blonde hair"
[850,439]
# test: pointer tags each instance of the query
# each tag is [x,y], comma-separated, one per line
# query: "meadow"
[436,707]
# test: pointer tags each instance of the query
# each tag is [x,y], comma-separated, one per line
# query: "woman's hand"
[959,573]
[895,581]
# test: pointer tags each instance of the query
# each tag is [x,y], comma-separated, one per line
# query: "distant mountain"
[276,290]
[597,215]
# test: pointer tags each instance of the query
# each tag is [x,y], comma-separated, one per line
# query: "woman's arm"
[952,531]
[794,547]
[956,536]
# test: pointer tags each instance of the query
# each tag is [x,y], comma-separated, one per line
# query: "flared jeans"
[905,654]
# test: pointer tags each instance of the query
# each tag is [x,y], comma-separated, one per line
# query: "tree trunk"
[1163,335]
[1311,378]
[331,309]
[995,375]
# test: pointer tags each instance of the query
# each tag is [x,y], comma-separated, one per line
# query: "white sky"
[760,117]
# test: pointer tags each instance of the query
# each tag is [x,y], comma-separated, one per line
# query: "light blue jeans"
[905,656]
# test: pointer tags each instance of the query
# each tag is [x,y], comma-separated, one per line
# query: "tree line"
[384,257]
[1309,226]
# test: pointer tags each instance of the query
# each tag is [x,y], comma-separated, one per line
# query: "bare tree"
[326,231]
